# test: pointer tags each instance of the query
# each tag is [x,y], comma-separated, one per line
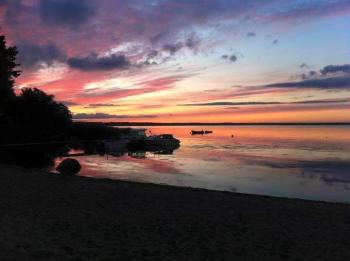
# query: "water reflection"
[303,162]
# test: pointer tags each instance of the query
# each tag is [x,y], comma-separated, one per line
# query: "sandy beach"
[50,217]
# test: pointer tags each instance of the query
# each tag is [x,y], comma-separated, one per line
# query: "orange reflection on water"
[310,162]
[309,134]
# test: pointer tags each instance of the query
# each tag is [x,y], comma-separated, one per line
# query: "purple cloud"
[66,12]
[88,116]
[31,54]
[331,69]
[96,63]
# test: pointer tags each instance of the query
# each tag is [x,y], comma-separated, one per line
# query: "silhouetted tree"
[31,116]
[40,117]
[8,73]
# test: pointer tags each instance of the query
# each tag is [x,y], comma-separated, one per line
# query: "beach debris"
[69,167]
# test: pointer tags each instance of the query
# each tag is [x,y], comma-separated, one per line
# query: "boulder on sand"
[69,167]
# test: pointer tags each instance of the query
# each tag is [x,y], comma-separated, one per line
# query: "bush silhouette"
[41,117]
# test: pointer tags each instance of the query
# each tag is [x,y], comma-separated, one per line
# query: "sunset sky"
[186,60]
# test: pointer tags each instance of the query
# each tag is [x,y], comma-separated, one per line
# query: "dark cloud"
[229,103]
[166,51]
[322,101]
[66,12]
[103,105]
[69,103]
[309,75]
[156,38]
[115,23]
[275,41]
[232,58]
[158,20]
[303,65]
[191,43]
[97,105]
[303,10]
[88,116]
[152,54]
[232,108]
[32,54]
[322,83]
[249,103]
[250,34]
[336,71]
[332,69]
[93,62]
[173,48]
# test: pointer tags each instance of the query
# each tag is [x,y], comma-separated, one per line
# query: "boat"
[163,142]
[202,132]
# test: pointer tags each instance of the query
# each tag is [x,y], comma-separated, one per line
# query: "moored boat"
[201,132]
[155,143]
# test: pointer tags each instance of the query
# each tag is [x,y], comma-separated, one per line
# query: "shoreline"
[199,189]
[50,217]
[193,189]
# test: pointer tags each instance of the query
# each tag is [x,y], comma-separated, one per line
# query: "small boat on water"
[202,132]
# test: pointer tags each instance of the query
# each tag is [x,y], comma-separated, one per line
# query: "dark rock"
[69,167]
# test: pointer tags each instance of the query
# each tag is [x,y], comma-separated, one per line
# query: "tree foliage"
[32,115]
[41,116]
[8,67]
[8,73]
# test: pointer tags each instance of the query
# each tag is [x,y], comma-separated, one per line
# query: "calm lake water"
[308,162]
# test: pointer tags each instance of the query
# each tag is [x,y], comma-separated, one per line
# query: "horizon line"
[211,123]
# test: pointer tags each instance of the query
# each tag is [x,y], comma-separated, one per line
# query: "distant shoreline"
[223,124]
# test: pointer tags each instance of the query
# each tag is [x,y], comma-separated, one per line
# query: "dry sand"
[50,217]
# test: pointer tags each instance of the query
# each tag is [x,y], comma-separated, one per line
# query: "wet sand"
[50,217]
